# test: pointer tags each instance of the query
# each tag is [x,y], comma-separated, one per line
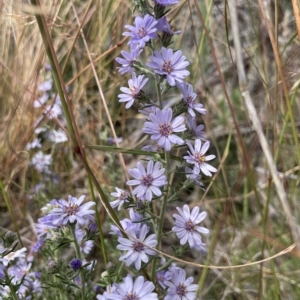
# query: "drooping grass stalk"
[70,120]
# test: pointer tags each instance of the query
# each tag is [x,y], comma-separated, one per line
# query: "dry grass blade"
[256,122]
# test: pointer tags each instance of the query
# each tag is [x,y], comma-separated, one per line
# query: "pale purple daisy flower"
[84,246]
[46,85]
[163,276]
[72,211]
[37,245]
[134,91]
[38,130]
[137,247]
[53,111]
[21,253]
[198,159]
[44,229]
[109,290]
[166,2]
[134,224]
[148,109]
[143,31]
[148,182]
[112,140]
[36,143]
[189,97]
[128,60]
[130,289]
[122,196]
[195,130]
[193,177]
[180,288]
[41,101]
[163,26]
[34,285]
[57,136]
[162,127]
[19,270]
[153,148]
[4,291]
[186,227]
[172,65]
[41,162]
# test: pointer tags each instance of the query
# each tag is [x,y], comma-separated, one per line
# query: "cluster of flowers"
[51,108]
[167,128]
[72,221]
[16,274]
[61,213]
[16,266]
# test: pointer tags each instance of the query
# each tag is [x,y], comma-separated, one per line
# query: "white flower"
[137,247]
[41,101]
[194,177]
[196,131]
[189,97]
[21,253]
[186,227]
[72,211]
[36,143]
[148,182]
[53,111]
[41,162]
[39,130]
[130,289]
[122,196]
[57,136]
[179,287]
[198,159]
[45,86]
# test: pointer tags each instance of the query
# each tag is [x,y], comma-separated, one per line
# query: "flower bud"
[75,264]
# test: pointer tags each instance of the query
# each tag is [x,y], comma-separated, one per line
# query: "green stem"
[78,254]
[165,200]
[161,215]
[99,225]
[158,92]
[13,294]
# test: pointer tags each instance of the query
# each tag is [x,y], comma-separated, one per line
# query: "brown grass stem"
[240,140]
[256,122]
[297,16]
[101,93]
[282,76]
